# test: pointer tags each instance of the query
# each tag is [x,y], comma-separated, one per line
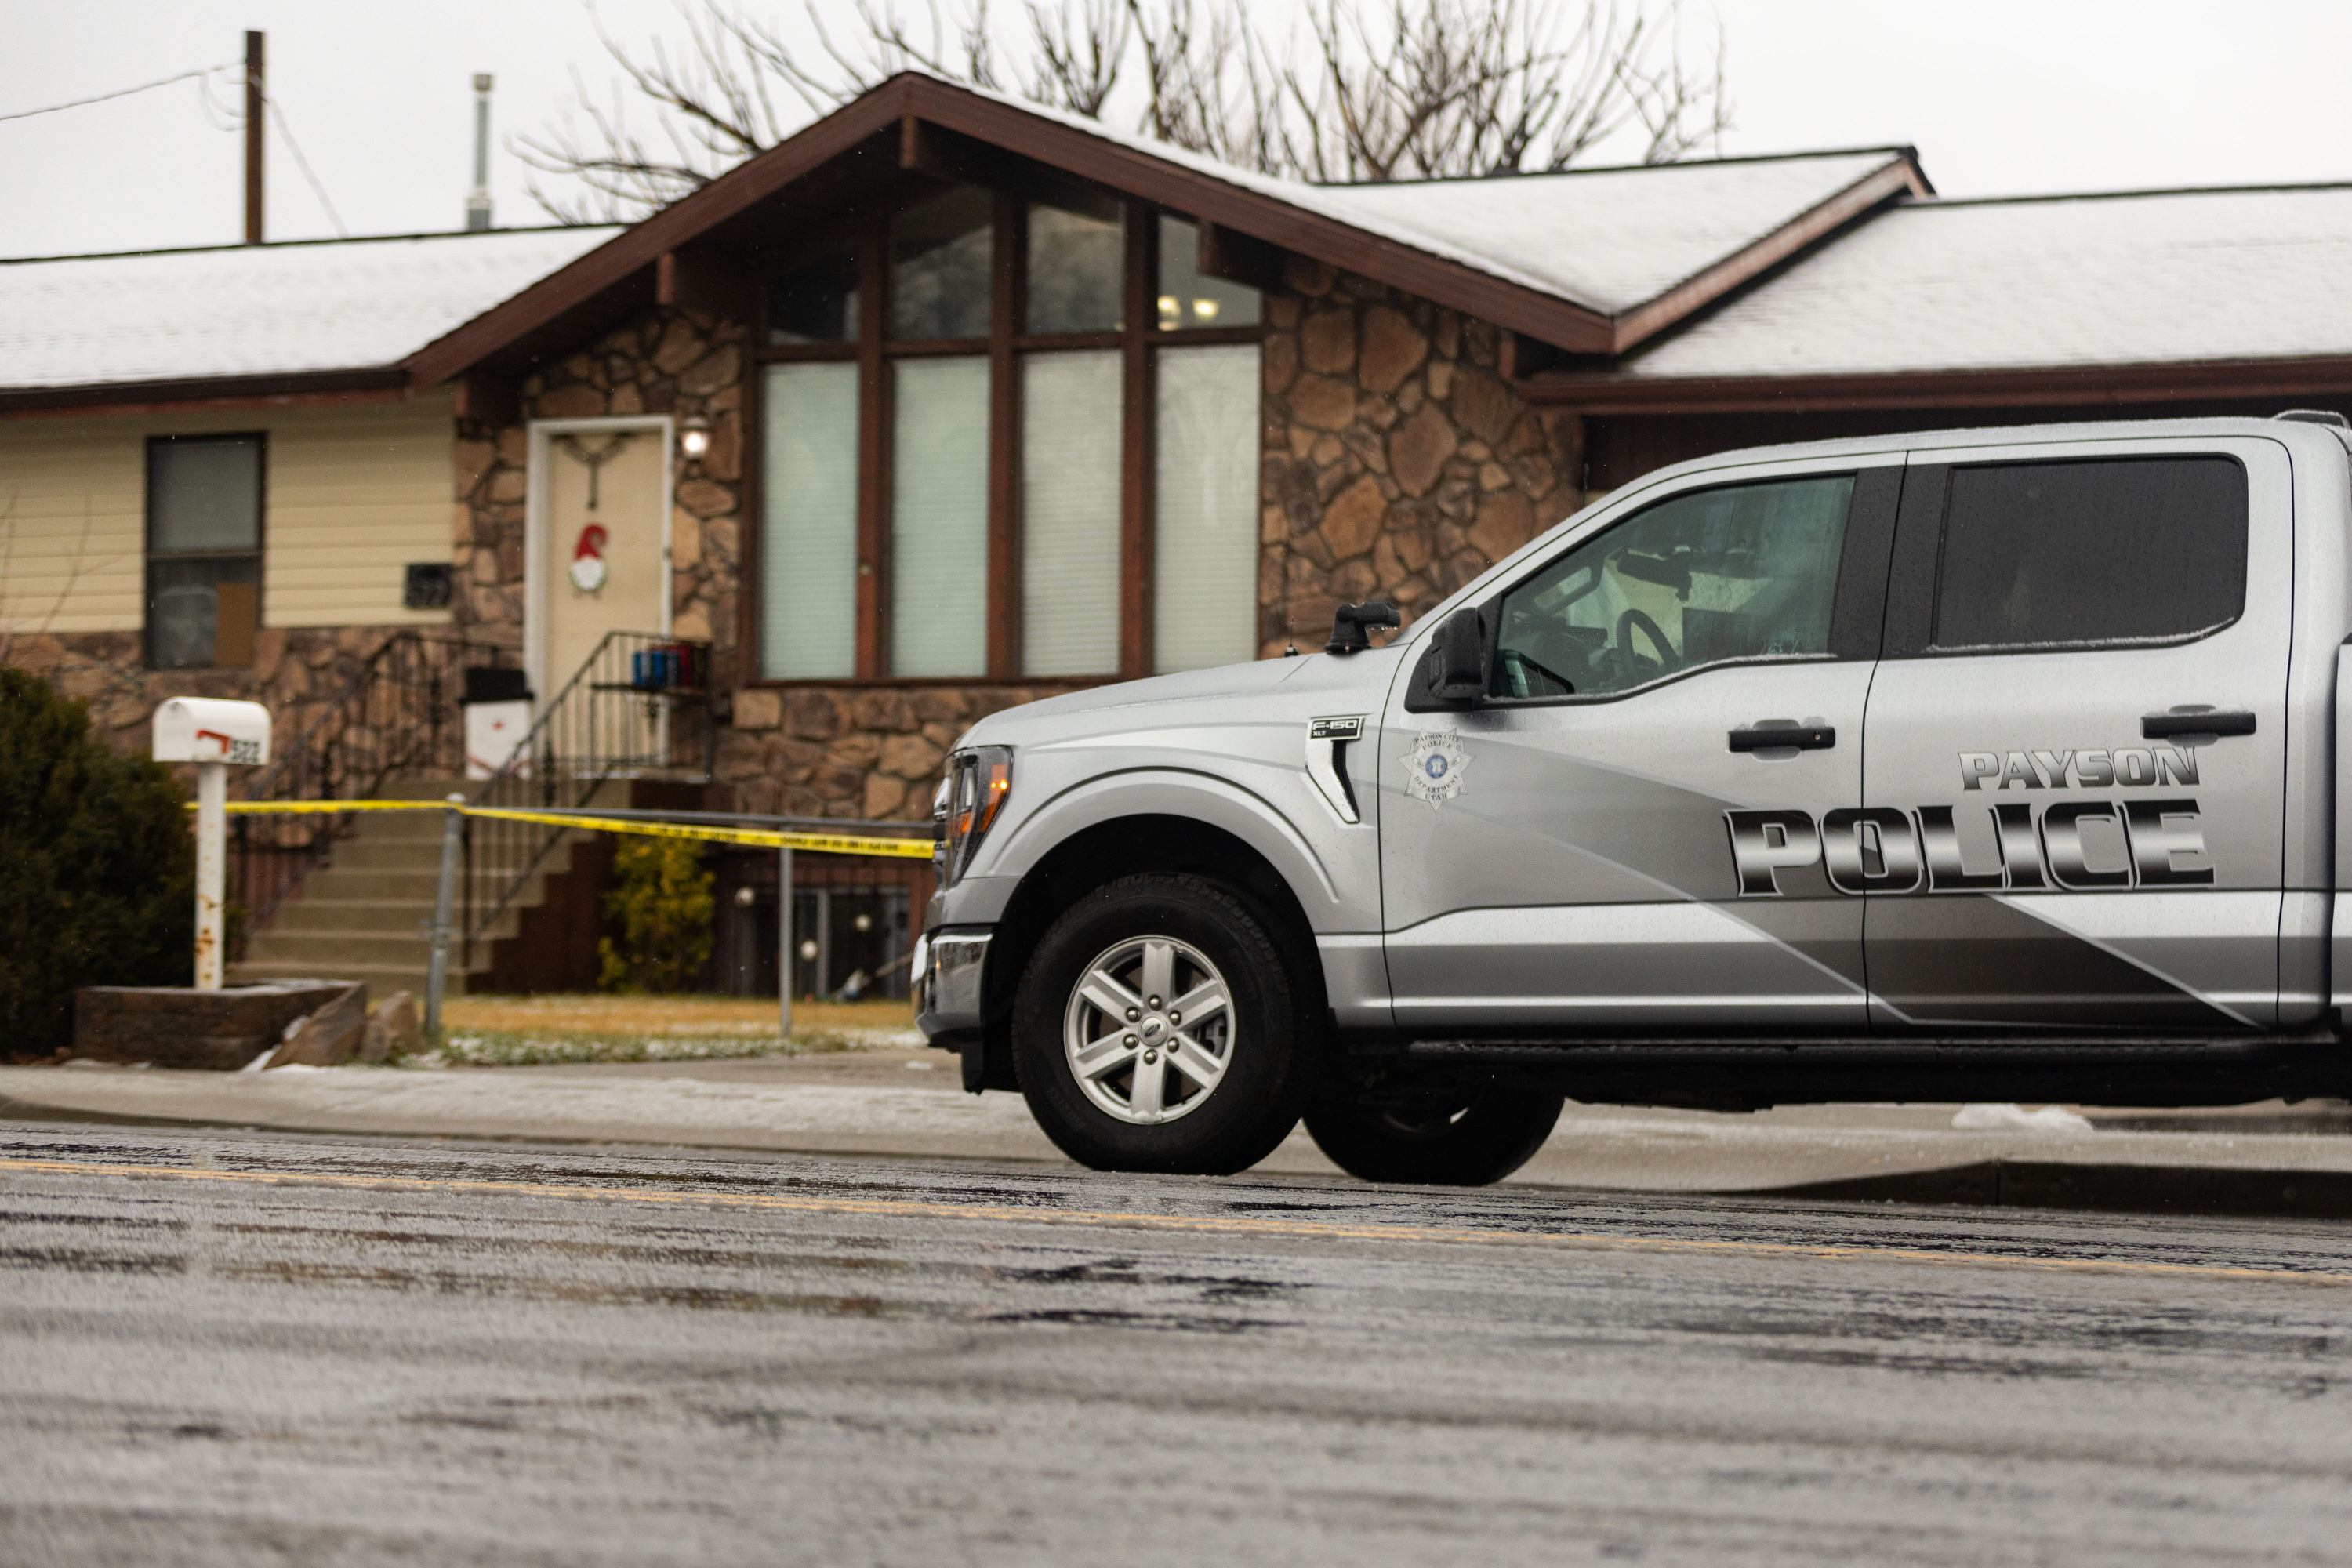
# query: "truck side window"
[1745,572]
[2120,551]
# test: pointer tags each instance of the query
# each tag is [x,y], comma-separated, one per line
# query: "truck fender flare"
[1174,792]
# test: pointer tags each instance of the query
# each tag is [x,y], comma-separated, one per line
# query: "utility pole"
[256,102]
[477,204]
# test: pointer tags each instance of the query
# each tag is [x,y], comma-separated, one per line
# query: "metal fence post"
[436,978]
[784,944]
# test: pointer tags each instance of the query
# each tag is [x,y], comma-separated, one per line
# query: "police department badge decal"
[1433,767]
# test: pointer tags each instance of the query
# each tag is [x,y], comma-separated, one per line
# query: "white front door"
[604,500]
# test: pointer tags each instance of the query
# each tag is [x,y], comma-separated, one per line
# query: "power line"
[304,164]
[284,130]
[122,92]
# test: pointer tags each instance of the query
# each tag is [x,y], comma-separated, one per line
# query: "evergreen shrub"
[97,867]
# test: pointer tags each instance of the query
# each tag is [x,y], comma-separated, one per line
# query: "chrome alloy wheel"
[1150,1030]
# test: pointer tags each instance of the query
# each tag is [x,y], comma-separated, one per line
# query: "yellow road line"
[1214,1225]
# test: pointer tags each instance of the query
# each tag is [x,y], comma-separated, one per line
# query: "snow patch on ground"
[2017,1119]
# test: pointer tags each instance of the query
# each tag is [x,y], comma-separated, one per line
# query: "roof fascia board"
[1898,178]
[388,383]
[643,245]
[1129,170]
[1212,200]
[2053,386]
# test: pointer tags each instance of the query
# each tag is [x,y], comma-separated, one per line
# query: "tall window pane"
[941,254]
[204,545]
[1186,298]
[938,522]
[1204,595]
[1077,254]
[816,303]
[808,538]
[1069,513]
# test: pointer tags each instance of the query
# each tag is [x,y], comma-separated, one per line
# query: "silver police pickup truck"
[1986,764]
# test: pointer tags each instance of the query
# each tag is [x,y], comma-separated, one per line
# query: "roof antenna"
[477,204]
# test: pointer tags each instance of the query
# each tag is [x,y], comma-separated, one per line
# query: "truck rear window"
[2121,551]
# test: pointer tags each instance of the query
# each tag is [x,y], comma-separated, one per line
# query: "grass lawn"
[530,1031]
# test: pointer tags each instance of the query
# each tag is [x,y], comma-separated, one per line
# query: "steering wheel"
[1632,620]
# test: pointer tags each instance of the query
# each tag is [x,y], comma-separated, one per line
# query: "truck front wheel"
[1156,1028]
[1465,1136]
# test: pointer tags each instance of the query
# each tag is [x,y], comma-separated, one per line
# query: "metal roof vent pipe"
[478,202]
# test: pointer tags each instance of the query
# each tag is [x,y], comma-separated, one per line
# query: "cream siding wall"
[354,493]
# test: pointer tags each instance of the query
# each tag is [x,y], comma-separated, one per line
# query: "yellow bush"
[663,908]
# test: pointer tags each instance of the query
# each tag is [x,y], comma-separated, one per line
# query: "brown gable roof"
[893,120]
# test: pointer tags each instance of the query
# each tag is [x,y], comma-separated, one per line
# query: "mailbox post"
[213,734]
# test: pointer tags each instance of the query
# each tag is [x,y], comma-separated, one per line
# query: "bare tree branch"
[1375,90]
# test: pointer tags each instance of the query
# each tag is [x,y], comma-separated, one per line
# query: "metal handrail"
[636,707]
[397,713]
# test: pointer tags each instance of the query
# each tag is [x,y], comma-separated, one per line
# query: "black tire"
[1266,1068]
[1474,1136]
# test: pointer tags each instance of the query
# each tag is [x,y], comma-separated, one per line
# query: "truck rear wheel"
[1156,1028]
[1474,1135]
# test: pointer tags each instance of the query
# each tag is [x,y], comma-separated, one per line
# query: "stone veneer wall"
[1398,463]
[294,669]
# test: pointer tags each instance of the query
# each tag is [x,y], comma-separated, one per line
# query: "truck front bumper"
[948,964]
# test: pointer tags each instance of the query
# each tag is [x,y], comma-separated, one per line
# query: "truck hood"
[1229,692]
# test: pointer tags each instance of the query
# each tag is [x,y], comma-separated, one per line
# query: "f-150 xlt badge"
[1880,849]
[1433,768]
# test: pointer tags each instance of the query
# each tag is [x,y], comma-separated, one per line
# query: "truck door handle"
[2205,721]
[1789,737]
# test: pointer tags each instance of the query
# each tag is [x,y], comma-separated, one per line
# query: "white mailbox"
[212,729]
[212,733]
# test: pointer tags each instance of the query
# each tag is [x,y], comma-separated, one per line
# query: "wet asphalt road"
[231,1348]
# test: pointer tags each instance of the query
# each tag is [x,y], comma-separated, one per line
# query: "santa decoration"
[588,559]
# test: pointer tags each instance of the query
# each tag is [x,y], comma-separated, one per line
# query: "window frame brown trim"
[149,554]
[1138,340]
[1007,303]
[1138,427]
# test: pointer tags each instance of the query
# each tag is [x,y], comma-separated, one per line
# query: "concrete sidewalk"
[2272,1159]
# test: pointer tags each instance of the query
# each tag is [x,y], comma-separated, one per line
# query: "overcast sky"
[2001,96]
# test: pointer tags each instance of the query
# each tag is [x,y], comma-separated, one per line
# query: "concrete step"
[398,916]
[375,917]
[369,853]
[418,827]
[426,789]
[325,952]
[372,886]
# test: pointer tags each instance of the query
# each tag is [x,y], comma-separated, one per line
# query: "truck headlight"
[973,796]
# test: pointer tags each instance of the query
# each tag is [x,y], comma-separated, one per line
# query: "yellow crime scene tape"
[765,838]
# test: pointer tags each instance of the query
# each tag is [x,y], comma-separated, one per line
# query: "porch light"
[694,438]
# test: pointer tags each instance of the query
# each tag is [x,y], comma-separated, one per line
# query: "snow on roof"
[263,310]
[2158,277]
[1609,239]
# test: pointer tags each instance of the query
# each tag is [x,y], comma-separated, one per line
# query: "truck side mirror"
[1349,626]
[1458,652]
